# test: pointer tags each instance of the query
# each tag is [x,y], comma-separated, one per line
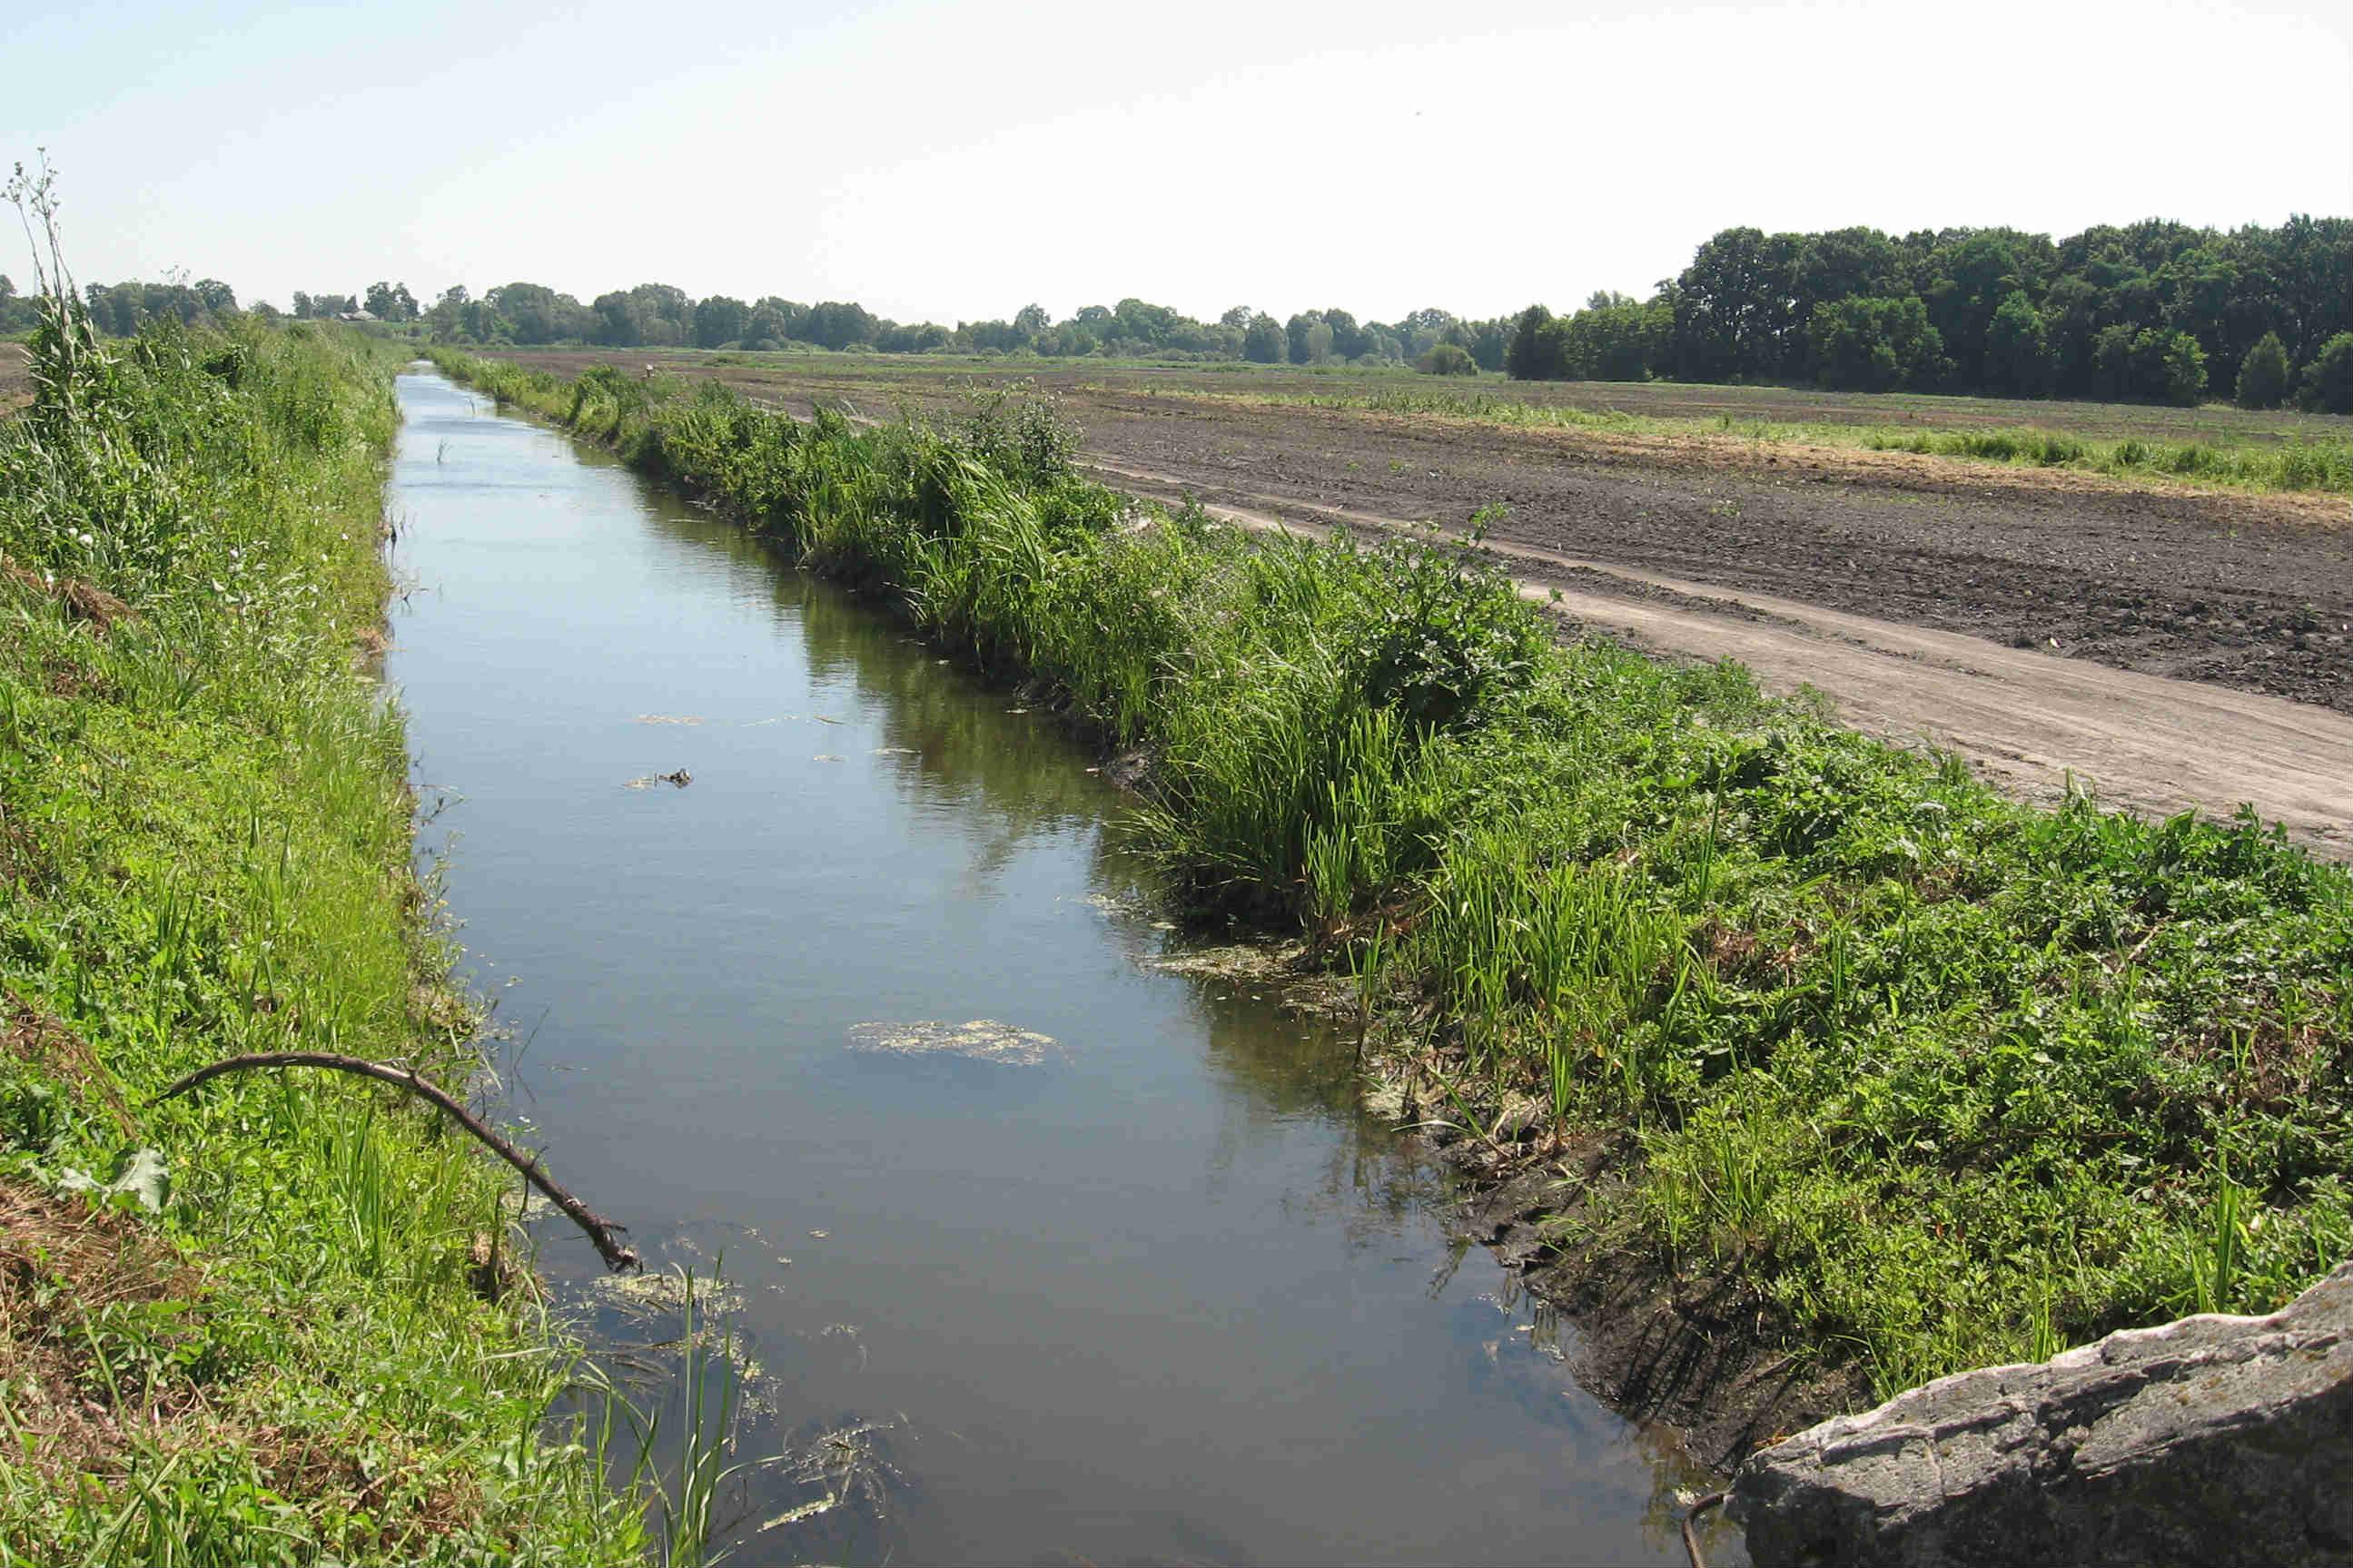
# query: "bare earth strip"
[15,379]
[2034,721]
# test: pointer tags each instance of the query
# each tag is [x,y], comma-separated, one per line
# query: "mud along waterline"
[1157,1291]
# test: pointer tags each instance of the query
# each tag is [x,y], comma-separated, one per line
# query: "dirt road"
[2034,722]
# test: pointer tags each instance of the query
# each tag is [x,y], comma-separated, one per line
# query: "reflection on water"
[1163,1294]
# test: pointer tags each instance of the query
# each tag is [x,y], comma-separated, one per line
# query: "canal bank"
[1889,1075]
[1156,1289]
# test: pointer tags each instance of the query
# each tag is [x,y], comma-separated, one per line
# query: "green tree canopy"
[2327,385]
[2263,376]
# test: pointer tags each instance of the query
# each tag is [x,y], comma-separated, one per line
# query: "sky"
[957,161]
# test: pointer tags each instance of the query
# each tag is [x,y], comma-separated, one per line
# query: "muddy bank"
[1695,1350]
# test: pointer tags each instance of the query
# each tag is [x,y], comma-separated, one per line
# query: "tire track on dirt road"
[2033,722]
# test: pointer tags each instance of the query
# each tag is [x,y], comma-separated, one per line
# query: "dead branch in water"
[607,1236]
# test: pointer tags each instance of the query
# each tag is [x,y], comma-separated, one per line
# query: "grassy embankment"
[238,1326]
[1942,1079]
[2320,461]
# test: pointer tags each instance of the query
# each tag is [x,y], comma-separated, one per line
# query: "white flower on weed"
[88,540]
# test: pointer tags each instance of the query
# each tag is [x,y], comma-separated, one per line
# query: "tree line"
[656,315]
[2154,311]
[120,310]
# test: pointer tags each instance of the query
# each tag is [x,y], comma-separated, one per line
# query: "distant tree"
[2018,357]
[1032,320]
[1728,305]
[1382,345]
[720,320]
[1875,345]
[302,310]
[768,326]
[837,325]
[1447,359]
[1296,335]
[1846,264]
[1264,341]
[1535,352]
[2149,364]
[1238,317]
[2181,368]
[1490,341]
[216,297]
[2263,375]
[791,314]
[620,323]
[1348,339]
[909,338]
[1616,341]
[391,302]
[1974,278]
[447,319]
[2327,384]
[1422,327]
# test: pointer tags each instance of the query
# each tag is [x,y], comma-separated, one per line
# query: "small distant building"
[357,316]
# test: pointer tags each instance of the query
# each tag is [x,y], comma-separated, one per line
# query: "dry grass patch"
[63,1265]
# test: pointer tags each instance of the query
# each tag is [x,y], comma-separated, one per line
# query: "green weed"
[205,842]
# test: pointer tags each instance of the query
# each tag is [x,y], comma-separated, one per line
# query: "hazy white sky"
[958,160]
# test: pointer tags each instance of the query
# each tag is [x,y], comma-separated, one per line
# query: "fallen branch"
[1691,1526]
[618,1258]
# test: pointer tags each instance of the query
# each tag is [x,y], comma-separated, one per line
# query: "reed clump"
[1939,1078]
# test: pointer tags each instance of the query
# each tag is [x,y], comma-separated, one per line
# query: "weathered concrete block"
[2213,1440]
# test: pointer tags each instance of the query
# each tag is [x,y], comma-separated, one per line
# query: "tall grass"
[1936,1075]
[204,839]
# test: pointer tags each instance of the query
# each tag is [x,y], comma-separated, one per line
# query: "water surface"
[1167,1296]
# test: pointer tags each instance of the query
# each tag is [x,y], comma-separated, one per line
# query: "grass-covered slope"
[1940,1079]
[236,1326]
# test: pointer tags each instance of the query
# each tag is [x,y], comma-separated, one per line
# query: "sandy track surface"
[2035,723]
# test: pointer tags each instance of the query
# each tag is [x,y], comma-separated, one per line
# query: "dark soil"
[2239,589]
